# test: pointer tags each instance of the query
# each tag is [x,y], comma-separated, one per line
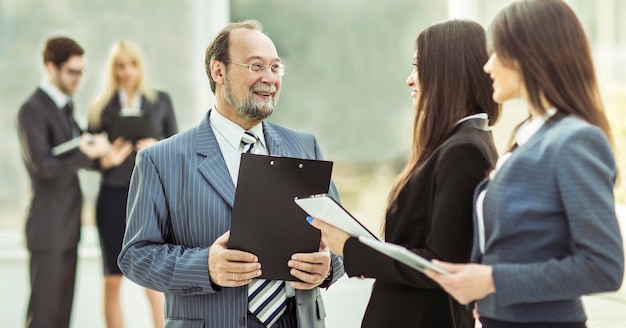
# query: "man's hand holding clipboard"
[265,221]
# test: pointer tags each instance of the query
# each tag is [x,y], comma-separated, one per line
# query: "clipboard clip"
[300,165]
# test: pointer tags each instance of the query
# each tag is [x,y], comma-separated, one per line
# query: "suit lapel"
[273,140]
[57,115]
[538,136]
[213,167]
[116,104]
[146,106]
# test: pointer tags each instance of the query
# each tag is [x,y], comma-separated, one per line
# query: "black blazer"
[434,220]
[53,221]
[161,117]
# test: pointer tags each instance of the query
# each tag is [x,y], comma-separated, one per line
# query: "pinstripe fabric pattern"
[550,225]
[180,200]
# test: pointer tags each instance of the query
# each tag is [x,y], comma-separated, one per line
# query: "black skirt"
[111,223]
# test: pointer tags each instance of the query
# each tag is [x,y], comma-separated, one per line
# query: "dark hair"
[450,59]
[59,50]
[545,42]
[218,49]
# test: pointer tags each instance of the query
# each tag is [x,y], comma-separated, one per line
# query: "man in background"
[46,120]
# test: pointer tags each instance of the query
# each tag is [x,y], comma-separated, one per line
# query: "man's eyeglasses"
[74,72]
[277,69]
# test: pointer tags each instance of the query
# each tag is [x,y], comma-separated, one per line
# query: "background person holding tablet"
[430,206]
[125,96]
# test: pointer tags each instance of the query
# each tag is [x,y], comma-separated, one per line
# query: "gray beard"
[250,109]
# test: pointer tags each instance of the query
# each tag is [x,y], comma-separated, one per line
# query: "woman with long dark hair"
[547,230]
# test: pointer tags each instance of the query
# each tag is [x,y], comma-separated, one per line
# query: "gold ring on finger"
[233,276]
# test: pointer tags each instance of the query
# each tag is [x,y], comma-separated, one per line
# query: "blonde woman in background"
[125,95]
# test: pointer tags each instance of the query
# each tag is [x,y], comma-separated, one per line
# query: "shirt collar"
[474,116]
[530,127]
[136,101]
[232,132]
[59,98]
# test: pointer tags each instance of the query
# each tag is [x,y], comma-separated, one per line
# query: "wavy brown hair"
[450,59]
[545,42]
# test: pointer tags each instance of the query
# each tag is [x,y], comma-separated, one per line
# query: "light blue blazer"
[550,225]
[180,200]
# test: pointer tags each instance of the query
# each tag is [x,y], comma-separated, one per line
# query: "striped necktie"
[68,110]
[266,298]
[248,140]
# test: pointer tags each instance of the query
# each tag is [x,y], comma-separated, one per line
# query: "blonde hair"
[112,84]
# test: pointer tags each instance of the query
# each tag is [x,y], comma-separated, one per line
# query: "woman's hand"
[332,236]
[145,142]
[119,151]
[465,282]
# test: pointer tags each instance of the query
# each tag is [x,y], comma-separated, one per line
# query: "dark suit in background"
[54,215]
[434,220]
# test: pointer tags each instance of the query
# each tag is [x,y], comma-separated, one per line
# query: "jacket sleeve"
[36,147]
[146,257]
[458,170]
[336,261]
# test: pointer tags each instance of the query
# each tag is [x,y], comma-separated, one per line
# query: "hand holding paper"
[337,225]
[332,236]
[94,146]
[465,282]
[120,150]
[145,142]
[325,208]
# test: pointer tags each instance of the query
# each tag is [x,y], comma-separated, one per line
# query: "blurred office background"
[347,62]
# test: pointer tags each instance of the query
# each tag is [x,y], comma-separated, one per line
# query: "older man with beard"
[182,193]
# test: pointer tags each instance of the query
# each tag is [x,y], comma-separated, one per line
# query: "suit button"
[242,321]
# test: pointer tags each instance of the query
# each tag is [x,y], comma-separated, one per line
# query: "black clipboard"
[265,219]
[133,128]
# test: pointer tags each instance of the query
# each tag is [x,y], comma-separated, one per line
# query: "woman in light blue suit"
[547,232]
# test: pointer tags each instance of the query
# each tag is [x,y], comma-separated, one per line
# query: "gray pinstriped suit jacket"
[180,200]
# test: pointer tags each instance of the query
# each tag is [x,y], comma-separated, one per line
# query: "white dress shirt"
[522,135]
[58,97]
[228,135]
[135,105]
